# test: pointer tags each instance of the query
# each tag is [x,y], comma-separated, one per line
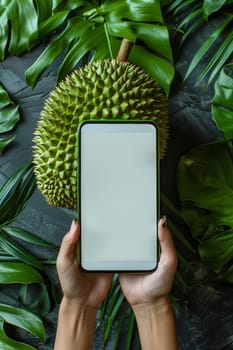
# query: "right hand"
[146,289]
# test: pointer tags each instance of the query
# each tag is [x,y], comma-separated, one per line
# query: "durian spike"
[124,51]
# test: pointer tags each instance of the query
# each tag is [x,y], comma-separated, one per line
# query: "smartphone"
[118,196]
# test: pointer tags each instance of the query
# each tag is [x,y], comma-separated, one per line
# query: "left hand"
[86,288]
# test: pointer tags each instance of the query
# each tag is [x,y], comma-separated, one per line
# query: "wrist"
[159,306]
[76,323]
[156,324]
[74,304]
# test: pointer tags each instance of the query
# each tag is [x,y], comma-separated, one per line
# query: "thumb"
[168,253]
[68,250]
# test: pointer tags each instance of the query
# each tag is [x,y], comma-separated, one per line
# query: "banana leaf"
[205,186]
[222,102]
[9,117]
[98,29]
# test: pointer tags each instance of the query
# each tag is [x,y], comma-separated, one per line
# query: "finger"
[68,249]
[168,252]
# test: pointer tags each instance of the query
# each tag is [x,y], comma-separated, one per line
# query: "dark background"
[208,321]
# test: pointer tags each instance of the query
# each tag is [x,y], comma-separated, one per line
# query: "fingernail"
[164,221]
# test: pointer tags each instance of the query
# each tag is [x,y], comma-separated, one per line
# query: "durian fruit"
[103,90]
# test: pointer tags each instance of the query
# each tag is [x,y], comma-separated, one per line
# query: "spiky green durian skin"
[103,90]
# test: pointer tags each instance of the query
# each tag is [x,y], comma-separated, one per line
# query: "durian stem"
[124,51]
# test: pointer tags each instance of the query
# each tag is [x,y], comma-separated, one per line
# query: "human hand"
[88,289]
[145,289]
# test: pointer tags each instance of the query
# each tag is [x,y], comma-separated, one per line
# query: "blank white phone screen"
[118,196]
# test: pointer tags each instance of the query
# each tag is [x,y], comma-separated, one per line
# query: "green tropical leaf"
[18,252]
[16,272]
[5,142]
[9,344]
[220,57]
[228,275]
[97,29]
[112,315]
[51,23]
[207,45]
[130,332]
[210,6]
[15,193]
[192,15]
[205,185]
[41,304]
[44,9]
[23,319]
[18,27]
[222,102]
[27,236]
[4,97]
[177,6]
[9,117]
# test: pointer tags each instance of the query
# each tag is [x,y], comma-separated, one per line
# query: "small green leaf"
[23,319]
[16,272]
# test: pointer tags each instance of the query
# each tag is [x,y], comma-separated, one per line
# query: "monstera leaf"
[205,185]
[87,29]
[222,103]
[97,27]
[20,318]
[19,21]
